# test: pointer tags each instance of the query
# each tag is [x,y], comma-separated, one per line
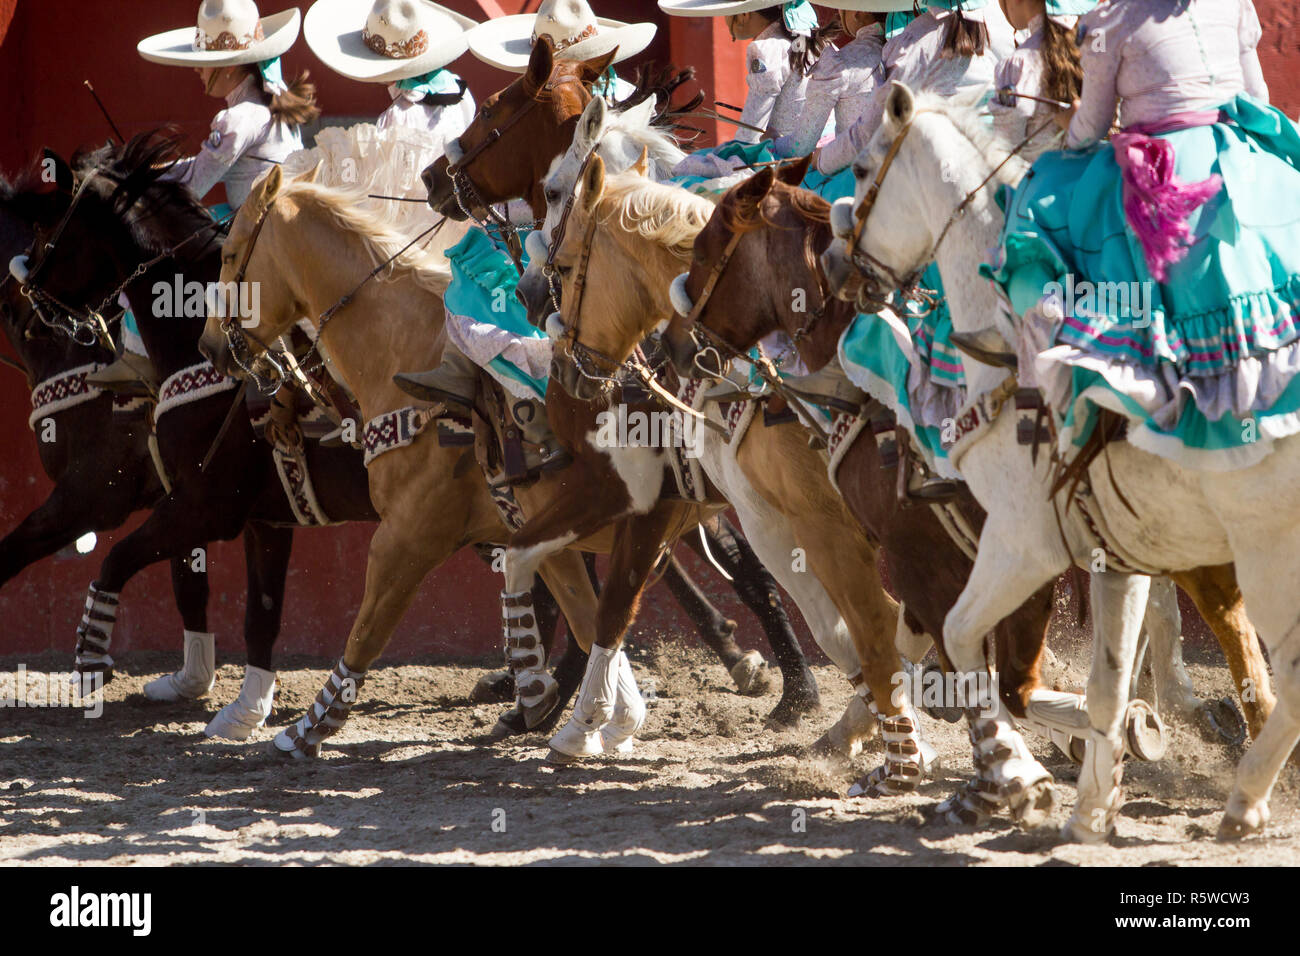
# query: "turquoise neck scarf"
[799,17]
[438,82]
[272,76]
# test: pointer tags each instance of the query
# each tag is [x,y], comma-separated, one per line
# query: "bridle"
[557,234]
[467,195]
[238,337]
[87,326]
[871,268]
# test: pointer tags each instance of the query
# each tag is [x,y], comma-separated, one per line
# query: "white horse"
[941,176]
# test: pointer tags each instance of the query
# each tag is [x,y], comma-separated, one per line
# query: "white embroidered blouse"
[244,142]
[776,92]
[842,82]
[444,122]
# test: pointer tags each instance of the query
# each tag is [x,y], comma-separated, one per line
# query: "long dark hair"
[964,38]
[1064,69]
[297,105]
[805,51]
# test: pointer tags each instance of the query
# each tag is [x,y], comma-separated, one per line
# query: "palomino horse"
[504,153]
[642,233]
[767,220]
[1146,512]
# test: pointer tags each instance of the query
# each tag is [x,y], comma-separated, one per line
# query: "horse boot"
[454,381]
[94,634]
[243,715]
[629,710]
[529,447]
[536,691]
[327,715]
[594,708]
[196,676]
[830,386]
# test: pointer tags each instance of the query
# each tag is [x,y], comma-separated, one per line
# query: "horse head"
[754,271]
[507,148]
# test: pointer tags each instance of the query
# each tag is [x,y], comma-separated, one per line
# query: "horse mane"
[965,113]
[664,214]
[658,142]
[141,194]
[741,218]
[346,207]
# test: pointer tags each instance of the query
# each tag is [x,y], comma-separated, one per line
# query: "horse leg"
[717,632]
[180,527]
[1004,576]
[63,517]
[199,667]
[266,557]
[1215,593]
[403,550]
[609,709]
[757,588]
[1118,608]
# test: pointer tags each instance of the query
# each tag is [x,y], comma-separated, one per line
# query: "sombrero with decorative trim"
[229,33]
[396,40]
[575,32]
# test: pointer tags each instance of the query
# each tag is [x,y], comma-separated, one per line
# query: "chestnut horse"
[767,220]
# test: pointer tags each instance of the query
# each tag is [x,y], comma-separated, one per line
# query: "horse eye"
[552,195]
[859,172]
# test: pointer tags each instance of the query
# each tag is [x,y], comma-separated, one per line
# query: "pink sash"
[1157,204]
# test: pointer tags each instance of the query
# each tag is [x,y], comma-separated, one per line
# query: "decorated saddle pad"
[1203,363]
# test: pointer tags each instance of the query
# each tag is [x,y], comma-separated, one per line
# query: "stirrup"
[410,383]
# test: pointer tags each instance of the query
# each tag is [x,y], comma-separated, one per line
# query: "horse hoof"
[1232,829]
[1077,830]
[309,753]
[171,688]
[1222,719]
[560,759]
[89,681]
[751,676]
[576,740]
[498,687]
[1145,731]
[509,724]
[1033,806]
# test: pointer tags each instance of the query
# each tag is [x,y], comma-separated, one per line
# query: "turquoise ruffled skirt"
[483,280]
[1204,362]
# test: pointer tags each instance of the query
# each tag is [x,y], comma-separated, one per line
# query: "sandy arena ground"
[408,781]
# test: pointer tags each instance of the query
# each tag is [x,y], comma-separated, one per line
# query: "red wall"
[48,48]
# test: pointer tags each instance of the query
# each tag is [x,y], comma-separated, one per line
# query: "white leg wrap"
[904,763]
[1006,774]
[238,719]
[326,716]
[629,710]
[95,631]
[196,676]
[1063,718]
[535,690]
[580,737]
[1101,792]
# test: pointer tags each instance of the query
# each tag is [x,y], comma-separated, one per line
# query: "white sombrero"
[575,32]
[397,40]
[229,33]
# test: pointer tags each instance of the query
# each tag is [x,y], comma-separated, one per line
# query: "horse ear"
[593,119]
[752,190]
[641,114]
[310,176]
[593,183]
[600,64]
[642,166]
[265,189]
[540,64]
[793,173]
[900,105]
[54,168]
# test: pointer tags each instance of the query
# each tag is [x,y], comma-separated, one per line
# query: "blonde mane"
[423,261]
[663,214]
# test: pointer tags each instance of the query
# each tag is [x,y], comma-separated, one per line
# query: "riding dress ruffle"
[487,322]
[1195,338]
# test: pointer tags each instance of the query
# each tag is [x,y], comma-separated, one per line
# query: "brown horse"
[768,220]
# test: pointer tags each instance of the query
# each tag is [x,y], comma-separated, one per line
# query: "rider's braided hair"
[962,38]
[805,49]
[1064,69]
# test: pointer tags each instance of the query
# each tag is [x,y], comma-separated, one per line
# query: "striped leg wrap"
[96,631]
[1005,771]
[327,714]
[525,656]
[901,771]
